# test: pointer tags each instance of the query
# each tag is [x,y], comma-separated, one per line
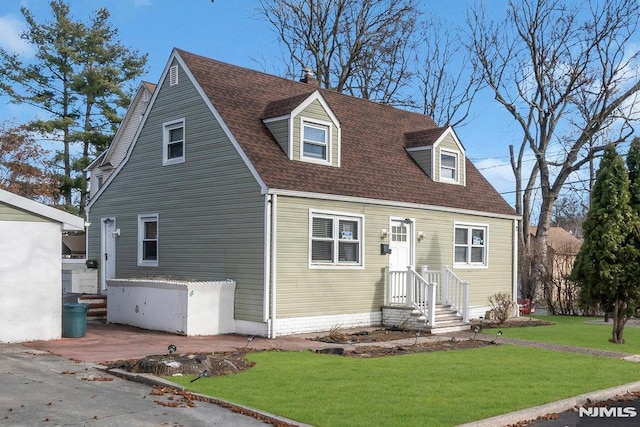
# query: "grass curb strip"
[153,380]
[554,407]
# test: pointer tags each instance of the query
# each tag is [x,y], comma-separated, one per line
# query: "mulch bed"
[229,363]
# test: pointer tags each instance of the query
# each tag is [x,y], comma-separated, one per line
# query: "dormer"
[306,129]
[439,153]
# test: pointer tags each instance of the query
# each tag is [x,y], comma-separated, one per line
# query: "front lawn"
[435,389]
[590,332]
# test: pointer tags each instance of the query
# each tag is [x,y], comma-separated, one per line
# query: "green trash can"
[74,320]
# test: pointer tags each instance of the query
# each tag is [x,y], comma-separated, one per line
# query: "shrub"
[501,306]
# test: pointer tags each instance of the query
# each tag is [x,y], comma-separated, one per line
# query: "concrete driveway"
[40,388]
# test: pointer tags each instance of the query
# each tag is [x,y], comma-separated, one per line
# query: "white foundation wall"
[30,281]
[301,325]
[185,308]
[478,312]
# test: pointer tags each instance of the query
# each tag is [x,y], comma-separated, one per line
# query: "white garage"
[31,268]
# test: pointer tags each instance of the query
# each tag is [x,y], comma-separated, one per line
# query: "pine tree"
[633,266]
[77,78]
[603,265]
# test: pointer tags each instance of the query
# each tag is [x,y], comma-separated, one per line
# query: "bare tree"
[359,47]
[448,79]
[569,212]
[566,75]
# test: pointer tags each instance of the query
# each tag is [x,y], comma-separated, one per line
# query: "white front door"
[400,244]
[108,248]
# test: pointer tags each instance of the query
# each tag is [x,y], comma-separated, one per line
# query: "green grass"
[590,332]
[436,389]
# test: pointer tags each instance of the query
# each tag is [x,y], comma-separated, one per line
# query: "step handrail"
[421,295]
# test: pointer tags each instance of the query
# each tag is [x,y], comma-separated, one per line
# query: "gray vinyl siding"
[210,209]
[302,291]
[280,131]
[11,213]
[317,112]
[423,159]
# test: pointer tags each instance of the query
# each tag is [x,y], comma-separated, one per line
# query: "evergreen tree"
[633,165]
[602,268]
[633,266]
[77,79]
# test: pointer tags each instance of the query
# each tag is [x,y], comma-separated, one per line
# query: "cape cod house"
[322,210]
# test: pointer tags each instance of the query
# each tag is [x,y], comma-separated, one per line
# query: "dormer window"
[305,128]
[448,166]
[316,146]
[439,154]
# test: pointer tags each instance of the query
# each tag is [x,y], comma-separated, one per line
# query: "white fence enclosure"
[77,278]
[185,308]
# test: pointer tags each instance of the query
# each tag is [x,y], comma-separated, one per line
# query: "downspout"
[515,266]
[274,246]
[267,260]
[86,232]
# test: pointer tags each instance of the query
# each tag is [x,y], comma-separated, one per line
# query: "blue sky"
[230,31]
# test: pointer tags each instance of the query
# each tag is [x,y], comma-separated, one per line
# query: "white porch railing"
[455,292]
[430,287]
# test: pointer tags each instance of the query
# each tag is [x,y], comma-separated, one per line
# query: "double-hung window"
[316,145]
[173,143]
[335,240]
[470,245]
[448,166]
[148,240]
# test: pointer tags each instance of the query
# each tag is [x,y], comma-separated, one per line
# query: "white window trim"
[173,75]
[456,170]
[337,216]
[470,226]
[142,218]
[166,127]
[328,126]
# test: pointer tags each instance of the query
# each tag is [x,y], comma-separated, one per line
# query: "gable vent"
[173,75]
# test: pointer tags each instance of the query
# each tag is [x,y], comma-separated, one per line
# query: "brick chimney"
[309,77]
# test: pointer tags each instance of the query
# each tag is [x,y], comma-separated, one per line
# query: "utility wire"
[538,188]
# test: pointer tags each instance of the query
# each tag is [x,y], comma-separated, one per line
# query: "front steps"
[97,306]
[446,320]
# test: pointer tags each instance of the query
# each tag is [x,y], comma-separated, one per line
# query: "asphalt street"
[39,388]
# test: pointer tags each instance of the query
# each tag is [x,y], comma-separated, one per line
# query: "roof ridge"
[322,90]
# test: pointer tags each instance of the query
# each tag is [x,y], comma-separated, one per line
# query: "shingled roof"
[374,162]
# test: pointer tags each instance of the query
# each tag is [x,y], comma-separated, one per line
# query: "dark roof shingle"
[374,162]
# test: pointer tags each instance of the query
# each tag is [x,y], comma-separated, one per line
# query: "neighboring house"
[563,248]
[31,268]
[110,159]
[323,208]
[74,246]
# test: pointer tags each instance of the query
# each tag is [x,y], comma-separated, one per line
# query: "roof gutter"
[395,204]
